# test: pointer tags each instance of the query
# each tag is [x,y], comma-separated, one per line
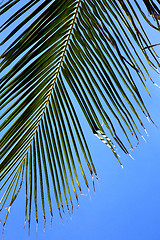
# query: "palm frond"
[58,53]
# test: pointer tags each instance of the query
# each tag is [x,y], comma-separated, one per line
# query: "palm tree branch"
[91,50]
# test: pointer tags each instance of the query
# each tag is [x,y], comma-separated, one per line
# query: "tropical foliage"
[59,53]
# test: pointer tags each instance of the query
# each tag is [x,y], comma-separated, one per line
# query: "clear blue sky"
[126,205]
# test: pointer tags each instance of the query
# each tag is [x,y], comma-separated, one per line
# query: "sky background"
[126,204]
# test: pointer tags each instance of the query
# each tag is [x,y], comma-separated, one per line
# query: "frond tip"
[61,54]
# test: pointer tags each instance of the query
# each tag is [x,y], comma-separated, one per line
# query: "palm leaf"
[63,51]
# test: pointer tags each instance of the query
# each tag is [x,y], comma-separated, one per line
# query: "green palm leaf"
[57,49]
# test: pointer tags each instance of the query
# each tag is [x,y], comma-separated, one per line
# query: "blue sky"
[126,204]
